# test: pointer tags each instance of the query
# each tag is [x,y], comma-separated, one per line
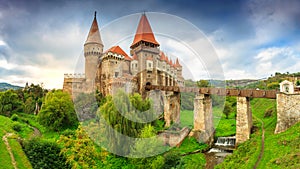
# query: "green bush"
[57,112]
[17,126]
[14,117]
[44,154]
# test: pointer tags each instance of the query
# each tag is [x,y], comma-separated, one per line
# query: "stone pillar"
[167,112]
[243,119]
[163,79]
[203,119]
[176,110]
[288,111]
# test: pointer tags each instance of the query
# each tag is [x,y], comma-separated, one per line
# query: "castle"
[113,69]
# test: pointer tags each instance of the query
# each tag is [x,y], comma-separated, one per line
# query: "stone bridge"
[288,109]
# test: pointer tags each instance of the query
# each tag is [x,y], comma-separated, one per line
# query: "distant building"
[114,68]
[287,87]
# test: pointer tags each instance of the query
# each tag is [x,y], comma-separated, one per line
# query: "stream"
[222,147]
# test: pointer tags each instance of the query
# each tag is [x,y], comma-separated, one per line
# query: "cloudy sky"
[41,40]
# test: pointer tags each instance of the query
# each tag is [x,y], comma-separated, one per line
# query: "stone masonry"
[243,120]
[288,111]
[203,119]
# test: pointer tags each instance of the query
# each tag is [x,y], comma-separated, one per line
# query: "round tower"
[93,49]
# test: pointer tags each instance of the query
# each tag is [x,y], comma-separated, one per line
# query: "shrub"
[268,113]
[44,154]
[14,117]
[17,126]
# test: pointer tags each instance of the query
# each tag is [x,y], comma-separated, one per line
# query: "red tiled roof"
[118,50]
[162,56]
[94,34]
[144,32]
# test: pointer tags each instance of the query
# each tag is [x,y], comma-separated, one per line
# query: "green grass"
[5,159]
[5,127]
[187,118]
[32,121]
[20,156]
[281,150]
[223,126]
[190,145]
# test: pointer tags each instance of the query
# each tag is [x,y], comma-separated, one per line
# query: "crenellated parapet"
[75,75]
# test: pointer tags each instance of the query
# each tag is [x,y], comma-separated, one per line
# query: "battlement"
[75,75]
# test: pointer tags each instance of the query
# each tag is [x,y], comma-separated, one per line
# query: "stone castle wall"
[288,111]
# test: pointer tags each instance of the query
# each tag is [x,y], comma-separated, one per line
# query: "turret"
[93,49]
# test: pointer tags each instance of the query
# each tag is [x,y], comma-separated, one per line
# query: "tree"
[79,149]
[10,103]
[57,112]
[86,106]
[273,85]
[148,147]
[123,113]
[227,109]
[203,83]
[298,83]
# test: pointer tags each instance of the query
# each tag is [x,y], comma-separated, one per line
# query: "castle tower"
[146,48]
[93,49]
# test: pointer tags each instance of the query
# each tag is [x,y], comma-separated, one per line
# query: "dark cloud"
[46,33]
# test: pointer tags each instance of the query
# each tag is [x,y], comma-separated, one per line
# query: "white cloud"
[275,59]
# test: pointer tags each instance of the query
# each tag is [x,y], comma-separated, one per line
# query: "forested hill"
[6,86]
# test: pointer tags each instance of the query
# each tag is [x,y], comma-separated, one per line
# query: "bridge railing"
[271,94]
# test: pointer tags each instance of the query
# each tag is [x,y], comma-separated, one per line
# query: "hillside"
[280,150]
[7,132]
[6,86]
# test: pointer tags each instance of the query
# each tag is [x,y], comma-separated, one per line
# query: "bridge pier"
[172,109]
[243,120]
[203,119]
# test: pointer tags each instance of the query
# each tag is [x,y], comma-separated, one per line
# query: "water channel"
[222,147]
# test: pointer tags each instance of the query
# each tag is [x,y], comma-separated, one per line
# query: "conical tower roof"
[144,32]
[177,64]
[94,34]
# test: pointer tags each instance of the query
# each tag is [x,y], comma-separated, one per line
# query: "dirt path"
[4,138]
[262,145]
[36,132]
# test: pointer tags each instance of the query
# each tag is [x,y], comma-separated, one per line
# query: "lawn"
[223,126]
[5,126]
[20,156]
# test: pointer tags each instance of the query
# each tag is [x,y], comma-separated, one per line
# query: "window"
[116,74]
[149,65]
[136,65]
[145,54]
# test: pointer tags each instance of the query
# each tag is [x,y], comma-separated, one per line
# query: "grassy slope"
[20,157]
[6,125]
[281,150]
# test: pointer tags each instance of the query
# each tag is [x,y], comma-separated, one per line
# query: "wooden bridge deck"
[271,94]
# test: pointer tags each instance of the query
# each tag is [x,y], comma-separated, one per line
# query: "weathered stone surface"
[288,111]
[243,119]
[203,136]
[172,108]
[174,138]
[203,119]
